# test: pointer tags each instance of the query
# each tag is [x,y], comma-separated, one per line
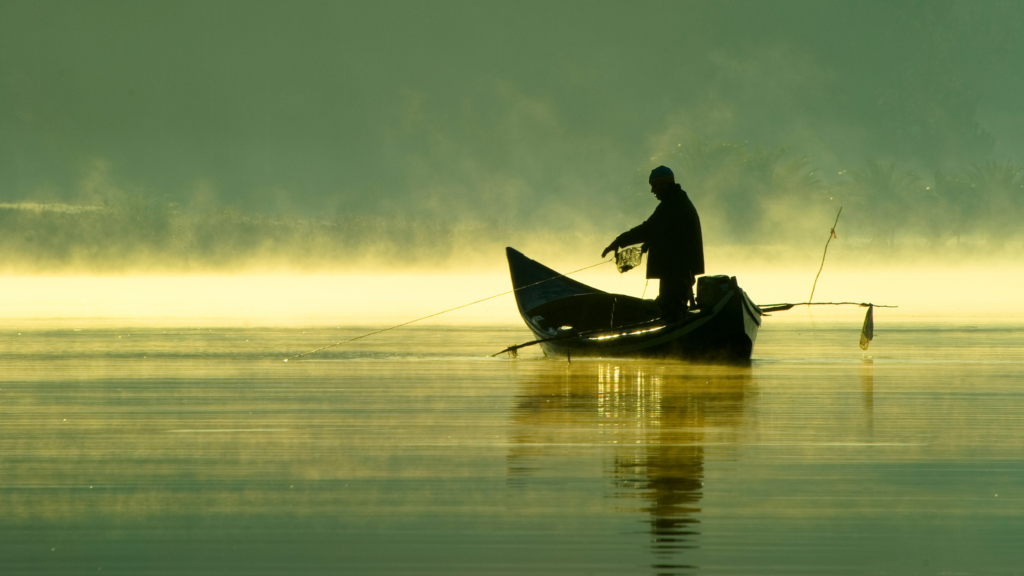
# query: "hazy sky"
[520,112]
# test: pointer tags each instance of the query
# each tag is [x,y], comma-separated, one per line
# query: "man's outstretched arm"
[636,235]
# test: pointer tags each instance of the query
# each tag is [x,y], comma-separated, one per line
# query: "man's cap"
[661,172]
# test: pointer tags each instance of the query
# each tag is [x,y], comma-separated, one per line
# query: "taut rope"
[446,311]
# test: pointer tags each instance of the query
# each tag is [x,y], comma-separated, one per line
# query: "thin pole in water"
[831,235]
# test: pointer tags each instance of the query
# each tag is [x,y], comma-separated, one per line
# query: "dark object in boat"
[571,318]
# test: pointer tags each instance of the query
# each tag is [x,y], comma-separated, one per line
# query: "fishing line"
[446,311]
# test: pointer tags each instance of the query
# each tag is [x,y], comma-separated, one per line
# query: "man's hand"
[610,248]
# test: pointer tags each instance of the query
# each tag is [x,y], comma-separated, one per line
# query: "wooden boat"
[570,318]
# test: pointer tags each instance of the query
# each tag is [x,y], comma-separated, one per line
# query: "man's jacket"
[672,235]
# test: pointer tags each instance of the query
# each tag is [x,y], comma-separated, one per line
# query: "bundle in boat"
[626,260]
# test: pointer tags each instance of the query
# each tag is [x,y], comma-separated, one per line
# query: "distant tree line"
[761,196]
[747,196]
[150,234]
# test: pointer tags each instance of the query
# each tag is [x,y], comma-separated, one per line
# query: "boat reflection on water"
[655,423]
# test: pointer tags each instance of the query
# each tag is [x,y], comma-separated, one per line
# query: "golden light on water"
[255,300]
[385,299]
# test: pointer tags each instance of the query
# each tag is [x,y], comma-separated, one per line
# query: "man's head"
[662,180]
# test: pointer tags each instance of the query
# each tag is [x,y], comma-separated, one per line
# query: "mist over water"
[242,136]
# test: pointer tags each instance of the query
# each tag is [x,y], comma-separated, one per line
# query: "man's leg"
[674,296]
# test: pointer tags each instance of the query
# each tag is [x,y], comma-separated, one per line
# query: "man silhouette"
[673,239]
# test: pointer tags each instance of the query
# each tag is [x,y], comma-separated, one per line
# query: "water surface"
[198,451]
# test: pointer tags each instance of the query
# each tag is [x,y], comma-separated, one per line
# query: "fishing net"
[626,260]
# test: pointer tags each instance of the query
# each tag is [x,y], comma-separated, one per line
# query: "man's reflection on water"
[655,420]
[867,384]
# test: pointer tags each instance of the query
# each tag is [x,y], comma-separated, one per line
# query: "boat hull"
[724,332]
